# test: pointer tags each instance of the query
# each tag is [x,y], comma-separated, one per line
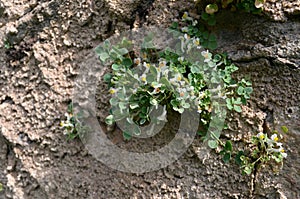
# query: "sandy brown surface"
[50,39]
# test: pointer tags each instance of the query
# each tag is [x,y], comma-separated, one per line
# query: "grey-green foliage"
[138,86]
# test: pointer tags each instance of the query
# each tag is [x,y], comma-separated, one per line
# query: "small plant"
[200,29]
[140,81]
[251,6]
[7,45]
[72,126]
[1,187]
[264,150]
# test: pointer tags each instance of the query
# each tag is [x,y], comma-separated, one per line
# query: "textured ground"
[51,38]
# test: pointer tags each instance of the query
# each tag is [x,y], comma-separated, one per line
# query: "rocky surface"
[50,39]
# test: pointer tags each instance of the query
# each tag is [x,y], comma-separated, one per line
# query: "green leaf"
[116,67]
[212,45]
[284,129]
[217,58]
[205,16]
[153,102]
[122,51]
[136,130]
[180,110]
[102,53]
[229,104]
[248,90]
[127,136]
[211,21]
[122,105]
[142,121]
[150,78]
[240,90]
[174,25]
[237,100]
[248,170]
[185,105]
[201,133]
[103,56]
[113,101]
[237,108]
[212,144]
[126,43]
[127,62]
[134,105]
[195,68]
[166,82]
[174,103]
[153,70]
[228,145]
[238,158]
[109,120]
[144,109]
[226,157]
[107,77]
[212,37]
[70,108]
[206,35]
[106,44]
[205,43]
[99,50]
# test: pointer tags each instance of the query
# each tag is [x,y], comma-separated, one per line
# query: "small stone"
[67,42]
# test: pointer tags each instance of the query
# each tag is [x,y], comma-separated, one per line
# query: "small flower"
[274,137]
[112,90]
[199,109]
[201,95]
[146,65]
[180,59]
[178,77]
[195,22]
[260,136]
[137,61]
[279,150]
[186,16]
[196,41]
[284,155]
[156,87]
[184,29]
[143,78]
[162,64]
[206,55]
[186,36]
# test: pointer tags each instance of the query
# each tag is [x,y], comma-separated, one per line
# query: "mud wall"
[50,39]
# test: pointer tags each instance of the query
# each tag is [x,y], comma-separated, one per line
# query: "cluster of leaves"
[243,91]
[199,29]
[1,187]
[261,151]
[72,125]
[264,150]
[7,45]
[140,81]
[251,6]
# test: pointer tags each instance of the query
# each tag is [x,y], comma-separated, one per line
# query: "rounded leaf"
[212,144]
